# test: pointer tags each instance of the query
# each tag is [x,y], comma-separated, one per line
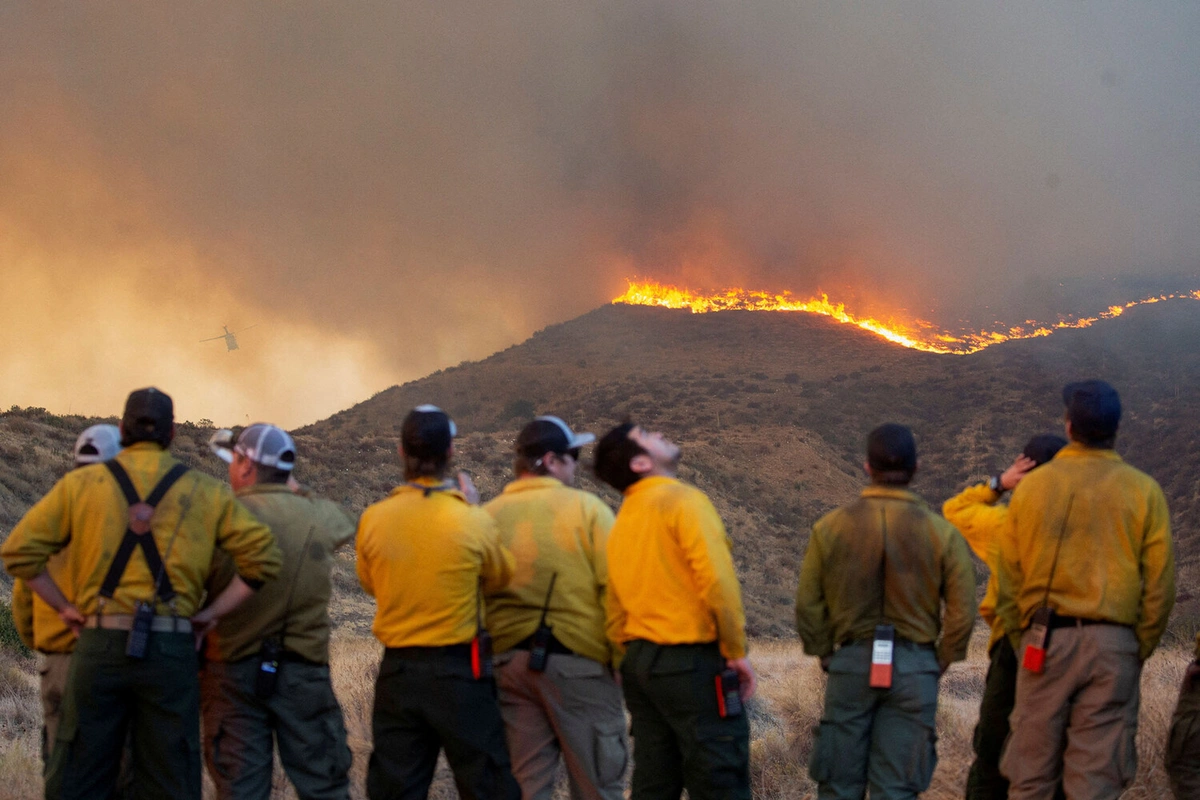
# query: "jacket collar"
[429,487]
[646,484]
[264,488]
[532,482]
[892,493]
[1077,450]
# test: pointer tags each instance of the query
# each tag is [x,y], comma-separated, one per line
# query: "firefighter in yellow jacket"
[428,556]
[557,691]
[138,572]
[1087,555]
[37,623]
[675,608]
[978,513]
[880,580]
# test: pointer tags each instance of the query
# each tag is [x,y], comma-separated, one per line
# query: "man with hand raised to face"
[880,580]
[675,612]
[428,556]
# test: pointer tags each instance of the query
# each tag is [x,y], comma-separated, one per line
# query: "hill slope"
[771,410]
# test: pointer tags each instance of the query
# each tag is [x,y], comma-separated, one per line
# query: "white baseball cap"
[97,443]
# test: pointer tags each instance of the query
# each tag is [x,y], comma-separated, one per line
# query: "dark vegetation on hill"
[771,409]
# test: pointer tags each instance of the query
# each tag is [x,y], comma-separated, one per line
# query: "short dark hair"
[1043,447]
[149,416]
[892,454]
[613,453]
[265,474]
[1094,411]
[432,467]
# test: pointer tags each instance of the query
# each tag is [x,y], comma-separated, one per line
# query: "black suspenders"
[137,533]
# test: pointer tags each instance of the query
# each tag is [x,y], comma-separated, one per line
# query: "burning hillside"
[917,334]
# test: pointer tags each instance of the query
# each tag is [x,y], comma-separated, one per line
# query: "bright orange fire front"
[917,334]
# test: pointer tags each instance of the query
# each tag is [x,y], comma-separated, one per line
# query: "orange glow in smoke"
[917,334]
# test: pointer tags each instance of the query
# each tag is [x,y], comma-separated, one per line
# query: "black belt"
[421,653]
[555,646]
[1059,621]
[906,642]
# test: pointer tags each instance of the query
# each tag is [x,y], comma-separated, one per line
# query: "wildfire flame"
[917,334]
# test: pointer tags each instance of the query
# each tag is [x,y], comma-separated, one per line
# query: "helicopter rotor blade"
[248,327]
[213,339]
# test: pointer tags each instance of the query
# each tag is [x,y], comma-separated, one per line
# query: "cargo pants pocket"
[922,761]
[610,755]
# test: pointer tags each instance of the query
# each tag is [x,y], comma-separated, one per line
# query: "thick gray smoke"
[385,190]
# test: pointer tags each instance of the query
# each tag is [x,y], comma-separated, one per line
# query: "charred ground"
[771,410]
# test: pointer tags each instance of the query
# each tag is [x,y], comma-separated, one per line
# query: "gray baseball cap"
[263,444]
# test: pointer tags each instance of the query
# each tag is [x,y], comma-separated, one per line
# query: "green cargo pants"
[241,731]
[156,699]
[427,700]
[679,739]
[883,738]
[1183,745]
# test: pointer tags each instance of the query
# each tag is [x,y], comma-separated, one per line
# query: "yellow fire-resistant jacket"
[308,529]
[980,518]
[1116,560]
[22,612]
[840,597]
[670,570]
[425,556]
[552,529]
[87,509]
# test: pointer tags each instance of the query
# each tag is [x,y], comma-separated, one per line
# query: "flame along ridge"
[918,334]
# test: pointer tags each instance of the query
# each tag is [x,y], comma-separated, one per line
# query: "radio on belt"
[882,649]
[1039,640]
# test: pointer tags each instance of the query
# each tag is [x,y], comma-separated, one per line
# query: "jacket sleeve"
[958,586]
[812,610]
[709,554]
[498,565]
[1158,575]
[22,612]
[601,524]
[341,525]
[43,531]
[248,542]
[978,517]
[1008,569]
[362,556]
[614,625]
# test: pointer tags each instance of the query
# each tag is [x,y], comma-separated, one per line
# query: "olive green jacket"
[308,530]
[929,586]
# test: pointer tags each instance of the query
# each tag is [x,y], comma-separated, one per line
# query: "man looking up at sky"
[978,513]
[557,693]
[885,568]
[1087,549]
[135,662]
[675,609]
[37,623]
[427,556]
[266,681]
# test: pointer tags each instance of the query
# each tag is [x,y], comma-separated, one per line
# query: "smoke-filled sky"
[385,189]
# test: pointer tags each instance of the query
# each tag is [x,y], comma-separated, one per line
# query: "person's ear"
[641,463]
[917,467]
[867,469]
[172,438]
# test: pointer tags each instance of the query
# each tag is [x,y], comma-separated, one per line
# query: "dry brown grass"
[783,716]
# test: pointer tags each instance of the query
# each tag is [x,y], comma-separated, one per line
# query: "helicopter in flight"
[230,337]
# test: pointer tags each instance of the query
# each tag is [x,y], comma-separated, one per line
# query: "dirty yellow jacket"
[552,529]
[929,585]
[39,625]
[87,509]
[978,515]
[1116,560]
[670,570]
[425,555]
[308,530]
